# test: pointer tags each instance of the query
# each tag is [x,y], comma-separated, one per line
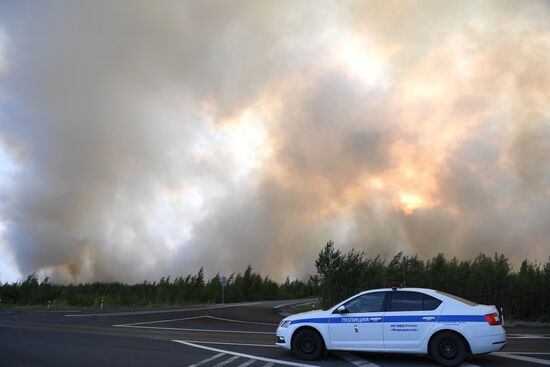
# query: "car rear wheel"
[448,349]
[308,344]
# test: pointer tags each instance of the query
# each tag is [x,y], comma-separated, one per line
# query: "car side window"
[370,302]
[406,301]
[412,301]
[431,303]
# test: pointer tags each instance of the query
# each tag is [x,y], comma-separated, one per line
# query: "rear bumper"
[488,344]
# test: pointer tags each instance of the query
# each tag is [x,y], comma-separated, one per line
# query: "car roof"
[422,290]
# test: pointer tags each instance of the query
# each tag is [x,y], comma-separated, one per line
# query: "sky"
[140,139]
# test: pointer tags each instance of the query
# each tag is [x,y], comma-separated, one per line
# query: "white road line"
[227,361]
[237,344]
[268,364]
[207,360]
[305,302]
[58,311]
[522,358]
[194,318]
[278,361]
[241,321]
[131,313]
[160,321]
[353,359]
[527,336]
[199,330]
[247,363]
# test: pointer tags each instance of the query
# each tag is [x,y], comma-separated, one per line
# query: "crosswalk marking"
[522,358]
[207,360]
[277,361]
[247,363]
[357,361]
[227,361]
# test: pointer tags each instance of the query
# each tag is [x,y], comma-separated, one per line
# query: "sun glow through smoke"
[409,203]
[362,60]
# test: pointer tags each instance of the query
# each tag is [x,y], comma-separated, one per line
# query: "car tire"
[308,344]
[448,349]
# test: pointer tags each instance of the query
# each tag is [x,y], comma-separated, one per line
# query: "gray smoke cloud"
[154,138]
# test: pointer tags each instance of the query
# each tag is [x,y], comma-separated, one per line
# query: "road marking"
[227,361]
[199,330]
[247,363]
[241,321]
[268,364]
[207,360]
[278,361]
[131,313]
[304,302]
[522,358]
[361,362]
[353,359]
[160,321]
[528,336]
[60,311]
[194,318]
[237,344]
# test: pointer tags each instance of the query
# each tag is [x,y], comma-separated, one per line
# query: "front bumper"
[283,338]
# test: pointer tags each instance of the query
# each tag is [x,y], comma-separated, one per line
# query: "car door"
[360,324]
[409,318]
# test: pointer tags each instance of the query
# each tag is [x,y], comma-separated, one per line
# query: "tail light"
[493,318]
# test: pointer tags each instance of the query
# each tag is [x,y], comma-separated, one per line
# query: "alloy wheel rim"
[448,348]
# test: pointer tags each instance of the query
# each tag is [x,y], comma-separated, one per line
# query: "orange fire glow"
[408,203]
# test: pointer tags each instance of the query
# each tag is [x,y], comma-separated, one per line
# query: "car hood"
[307,315]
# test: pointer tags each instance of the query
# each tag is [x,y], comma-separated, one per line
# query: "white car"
[404,320]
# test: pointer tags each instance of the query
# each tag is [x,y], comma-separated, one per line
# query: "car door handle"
[375,318]
[429,318]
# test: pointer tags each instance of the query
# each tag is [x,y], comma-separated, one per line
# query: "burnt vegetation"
[523,294]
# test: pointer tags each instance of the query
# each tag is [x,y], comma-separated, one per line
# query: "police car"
[404,320]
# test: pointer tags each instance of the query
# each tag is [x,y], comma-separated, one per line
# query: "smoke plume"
[146,138]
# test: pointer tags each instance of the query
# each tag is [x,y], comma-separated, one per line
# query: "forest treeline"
[248,286]
[523,293]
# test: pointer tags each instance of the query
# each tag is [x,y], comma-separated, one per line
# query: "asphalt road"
[215,336]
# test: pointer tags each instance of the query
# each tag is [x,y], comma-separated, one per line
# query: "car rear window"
[459,299]
[412,301]
[431,303]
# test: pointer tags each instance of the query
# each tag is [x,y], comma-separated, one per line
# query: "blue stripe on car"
[369,319]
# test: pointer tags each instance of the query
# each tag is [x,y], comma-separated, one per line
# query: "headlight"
[285,323]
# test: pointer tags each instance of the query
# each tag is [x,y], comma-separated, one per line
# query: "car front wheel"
[448,349]
[308,344]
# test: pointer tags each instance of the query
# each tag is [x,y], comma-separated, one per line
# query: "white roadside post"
[223,281]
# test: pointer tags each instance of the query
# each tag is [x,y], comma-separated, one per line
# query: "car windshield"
[459,299]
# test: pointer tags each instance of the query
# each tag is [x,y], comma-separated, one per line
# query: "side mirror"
[341,309]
